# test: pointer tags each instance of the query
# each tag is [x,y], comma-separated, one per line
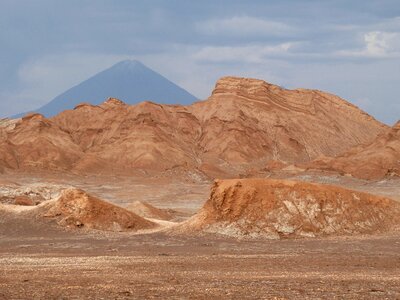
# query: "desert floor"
[42,261]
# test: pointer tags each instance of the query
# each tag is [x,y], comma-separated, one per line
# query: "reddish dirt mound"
[376,160]
[75,208]
[146,210]
[242,126]
[261,208]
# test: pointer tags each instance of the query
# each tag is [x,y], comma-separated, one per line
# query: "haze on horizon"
[349,49]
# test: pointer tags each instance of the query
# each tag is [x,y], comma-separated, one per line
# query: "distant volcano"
[128,80]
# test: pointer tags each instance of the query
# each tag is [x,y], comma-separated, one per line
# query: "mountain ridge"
[238,130]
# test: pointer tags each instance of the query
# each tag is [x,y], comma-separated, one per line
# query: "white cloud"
[244,26]
[377,44]
[252,54]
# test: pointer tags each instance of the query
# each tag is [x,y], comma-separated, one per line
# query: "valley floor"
[38,261]
[160,267]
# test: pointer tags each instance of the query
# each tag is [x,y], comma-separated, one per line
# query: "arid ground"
[39,260]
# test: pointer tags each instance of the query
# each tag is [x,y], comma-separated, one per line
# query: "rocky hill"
[375,160]
[242,126]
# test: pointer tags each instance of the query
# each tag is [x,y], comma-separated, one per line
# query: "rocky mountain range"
[243,126]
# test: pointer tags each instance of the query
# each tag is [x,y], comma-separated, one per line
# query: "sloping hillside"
[375,160]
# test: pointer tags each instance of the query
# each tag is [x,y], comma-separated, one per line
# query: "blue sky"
[349,48]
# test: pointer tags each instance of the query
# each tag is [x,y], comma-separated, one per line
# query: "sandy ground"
[39,261]
[155,266]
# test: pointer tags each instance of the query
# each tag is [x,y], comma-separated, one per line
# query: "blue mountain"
[129,80]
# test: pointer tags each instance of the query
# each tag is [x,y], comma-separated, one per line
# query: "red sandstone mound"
[75,208]
[146,210]
[244,124]
[261,208]
[376,160]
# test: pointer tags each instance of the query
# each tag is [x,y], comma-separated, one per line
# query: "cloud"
[377,44]
[244,26]
[252,54]
[380,43]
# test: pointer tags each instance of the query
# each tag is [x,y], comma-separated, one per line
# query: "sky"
[348,48]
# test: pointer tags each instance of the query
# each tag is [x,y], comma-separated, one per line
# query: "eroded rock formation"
[273,209]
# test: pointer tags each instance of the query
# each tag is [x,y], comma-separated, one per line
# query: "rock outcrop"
[273,209]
